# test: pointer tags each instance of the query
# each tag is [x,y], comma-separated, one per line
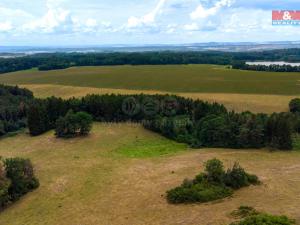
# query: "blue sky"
[99,22]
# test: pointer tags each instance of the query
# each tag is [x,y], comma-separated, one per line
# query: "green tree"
[279,132]
[37,118]
[214,169]
[20,172]
[73,124]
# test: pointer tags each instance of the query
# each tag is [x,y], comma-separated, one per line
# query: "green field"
[119,175]
[178,78]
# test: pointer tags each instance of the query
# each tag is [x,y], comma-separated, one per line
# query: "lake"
[268,63]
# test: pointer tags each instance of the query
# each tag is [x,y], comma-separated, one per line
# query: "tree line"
[198,123]
[53,61]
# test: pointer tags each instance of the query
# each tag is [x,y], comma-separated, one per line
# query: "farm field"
[174,78]
[119,175]
[238,90]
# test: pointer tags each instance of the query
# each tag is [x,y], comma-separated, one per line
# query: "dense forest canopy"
[51,61]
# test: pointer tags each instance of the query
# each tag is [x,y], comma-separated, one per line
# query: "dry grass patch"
[141,188]
[83,182]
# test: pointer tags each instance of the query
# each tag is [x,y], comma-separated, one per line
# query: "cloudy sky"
[97,22]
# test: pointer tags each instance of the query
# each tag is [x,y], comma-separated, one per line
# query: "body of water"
[268,63]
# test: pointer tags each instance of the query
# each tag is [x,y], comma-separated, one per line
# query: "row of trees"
[229,130]
[16,179]
[197,123]
[53,61]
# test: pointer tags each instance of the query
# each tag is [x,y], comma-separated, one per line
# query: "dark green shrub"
[212,185]
[214,171]
[244,211]
[237,178]
[20,172]
[265,219]
[199,192]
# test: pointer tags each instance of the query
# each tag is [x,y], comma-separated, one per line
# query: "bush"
[237,178]
[199,192]
[244,211]
[214,171]
[20,172]
[265,219]
[212,185]
[73,124]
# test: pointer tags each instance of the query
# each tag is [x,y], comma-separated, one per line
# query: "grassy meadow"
[120,172]
[119,175]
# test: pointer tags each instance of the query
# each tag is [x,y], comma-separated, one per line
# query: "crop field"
[120,173]
[178,78]
[238,90]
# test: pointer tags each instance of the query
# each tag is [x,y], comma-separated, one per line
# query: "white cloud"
[53,20]
[56,19]
[91,23]
[201,13]
[59,20]
[147,19]
[191,27]
[6,26]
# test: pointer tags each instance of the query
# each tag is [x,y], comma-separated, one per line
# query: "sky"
[138,22]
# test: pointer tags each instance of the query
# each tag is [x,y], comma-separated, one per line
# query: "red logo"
[285,15]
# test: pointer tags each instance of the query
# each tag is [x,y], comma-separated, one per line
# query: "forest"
[53,61]
[197,123]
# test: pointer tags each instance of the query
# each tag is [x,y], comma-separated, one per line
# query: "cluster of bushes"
[50,61]
[73,124]
[249,216]
[197,123]
[211,185]
[16,179]
[13,101]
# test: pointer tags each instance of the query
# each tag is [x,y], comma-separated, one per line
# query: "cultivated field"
[239,90]
[180,78]
[119,175]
